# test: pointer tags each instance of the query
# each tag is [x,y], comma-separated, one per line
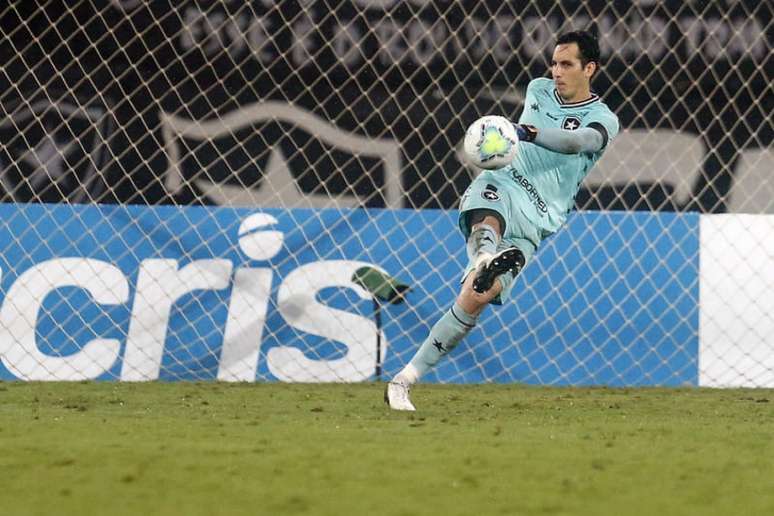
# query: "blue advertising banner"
[141,293]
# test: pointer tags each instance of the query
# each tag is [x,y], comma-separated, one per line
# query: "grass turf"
[182,448]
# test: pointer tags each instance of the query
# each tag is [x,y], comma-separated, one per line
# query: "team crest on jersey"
[571,123]
[489,195]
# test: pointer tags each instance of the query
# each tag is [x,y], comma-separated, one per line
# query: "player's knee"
[489,217]
[474,302]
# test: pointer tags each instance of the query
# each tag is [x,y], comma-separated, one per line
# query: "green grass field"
[160,448]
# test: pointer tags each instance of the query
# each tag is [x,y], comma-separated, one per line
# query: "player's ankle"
[409,375]
[482,258]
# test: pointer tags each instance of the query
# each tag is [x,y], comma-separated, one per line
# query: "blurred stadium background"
[155,156]
[187,189]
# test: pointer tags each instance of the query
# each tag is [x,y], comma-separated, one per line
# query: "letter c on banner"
[19,316]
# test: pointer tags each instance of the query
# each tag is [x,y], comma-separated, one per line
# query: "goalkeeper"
[505,214]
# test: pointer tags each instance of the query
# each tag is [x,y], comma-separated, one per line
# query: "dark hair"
[587,45]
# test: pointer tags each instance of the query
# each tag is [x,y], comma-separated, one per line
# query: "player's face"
[572,79]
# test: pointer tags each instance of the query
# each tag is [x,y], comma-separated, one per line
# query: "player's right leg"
[484,210]
[396,394]
[444,336]
[483,238]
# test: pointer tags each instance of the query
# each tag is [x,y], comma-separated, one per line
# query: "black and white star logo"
[489,195]
[535,107]
[571,123]
[439,345]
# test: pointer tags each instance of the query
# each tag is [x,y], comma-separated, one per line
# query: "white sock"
[408,374]
[482,242]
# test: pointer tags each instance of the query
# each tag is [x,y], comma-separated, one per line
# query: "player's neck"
[580,96]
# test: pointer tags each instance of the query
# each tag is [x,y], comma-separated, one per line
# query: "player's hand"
[526,133]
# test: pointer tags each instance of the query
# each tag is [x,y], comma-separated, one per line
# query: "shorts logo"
[489,195]
[534,196]
[571,123]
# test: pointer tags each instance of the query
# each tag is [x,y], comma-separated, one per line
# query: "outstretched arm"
[585,139]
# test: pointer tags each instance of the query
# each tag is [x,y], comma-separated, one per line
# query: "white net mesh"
[311,117]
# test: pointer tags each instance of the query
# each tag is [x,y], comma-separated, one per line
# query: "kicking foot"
[396,395]
[510,259]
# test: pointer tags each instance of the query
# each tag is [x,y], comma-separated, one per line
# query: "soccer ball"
[491,142]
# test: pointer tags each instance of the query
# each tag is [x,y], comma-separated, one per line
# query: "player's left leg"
[510,259]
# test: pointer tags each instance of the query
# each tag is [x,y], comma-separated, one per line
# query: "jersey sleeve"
[606,123]
[535,84]
[531,94]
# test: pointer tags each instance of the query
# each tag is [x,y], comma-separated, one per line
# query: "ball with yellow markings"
[491,142]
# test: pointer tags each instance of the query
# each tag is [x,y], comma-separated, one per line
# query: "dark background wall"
[84,85]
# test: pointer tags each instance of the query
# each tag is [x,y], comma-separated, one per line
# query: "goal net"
[196,190]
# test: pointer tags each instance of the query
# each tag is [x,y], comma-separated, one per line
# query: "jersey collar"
[594,97]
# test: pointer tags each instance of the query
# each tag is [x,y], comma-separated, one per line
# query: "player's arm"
[586,139]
